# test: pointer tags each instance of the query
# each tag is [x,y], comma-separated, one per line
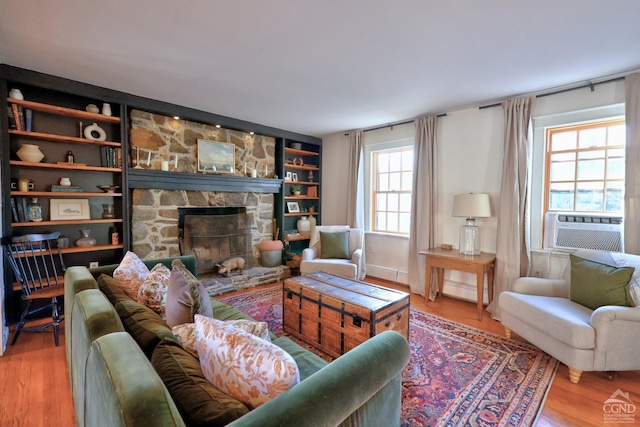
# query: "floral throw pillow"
[242,365]
[186,296]
[130,274]
[186,333]
[153,291]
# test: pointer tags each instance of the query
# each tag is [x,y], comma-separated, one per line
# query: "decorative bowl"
[109,188]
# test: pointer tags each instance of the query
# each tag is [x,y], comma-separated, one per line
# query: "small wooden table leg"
[490,282]
[480,286]
[427,281]
[440,273]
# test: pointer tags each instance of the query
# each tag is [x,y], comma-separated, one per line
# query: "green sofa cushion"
[334,245]
[123,388]
[145,326]
[594,284]
[199,402]
[308,362]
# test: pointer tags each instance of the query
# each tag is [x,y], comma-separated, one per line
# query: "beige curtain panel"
[512,247]
[632,156]
[424,204]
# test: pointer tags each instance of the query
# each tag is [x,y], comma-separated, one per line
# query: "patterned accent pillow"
[186,296]
[153,291]
[130,274]
[242,365]
[186,333]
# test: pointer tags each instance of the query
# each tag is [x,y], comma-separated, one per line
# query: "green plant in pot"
[296,189]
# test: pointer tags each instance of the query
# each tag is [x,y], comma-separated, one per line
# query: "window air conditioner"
[583,231]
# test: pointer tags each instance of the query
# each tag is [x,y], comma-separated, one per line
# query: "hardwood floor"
[34,383]
[35,390]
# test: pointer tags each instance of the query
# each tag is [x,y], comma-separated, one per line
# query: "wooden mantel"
[161,180]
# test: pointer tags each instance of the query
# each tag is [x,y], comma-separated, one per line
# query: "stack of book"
[19,211]
[111,157]
[66,189]
[20,118]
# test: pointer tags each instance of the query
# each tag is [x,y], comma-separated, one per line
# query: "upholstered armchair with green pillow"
[590,322]
[334,249]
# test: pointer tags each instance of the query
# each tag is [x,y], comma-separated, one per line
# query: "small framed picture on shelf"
[216,157]
[293,207]
[294,176]
[69,209]
[288,176]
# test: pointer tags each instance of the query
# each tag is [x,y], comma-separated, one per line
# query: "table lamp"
[471,206]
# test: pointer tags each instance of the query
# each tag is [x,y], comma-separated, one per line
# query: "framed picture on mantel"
[216,157]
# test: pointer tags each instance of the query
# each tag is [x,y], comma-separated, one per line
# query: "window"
[585,167]
[392,175]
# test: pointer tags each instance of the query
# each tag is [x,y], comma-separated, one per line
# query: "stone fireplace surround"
[157,195]
[155,230]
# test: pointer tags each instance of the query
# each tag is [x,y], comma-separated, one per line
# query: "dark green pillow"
[594,284]
[145,325]
[334,244]
[199,402]
[110,287]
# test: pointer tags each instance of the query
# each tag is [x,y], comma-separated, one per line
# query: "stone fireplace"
[158,197]
[214,235]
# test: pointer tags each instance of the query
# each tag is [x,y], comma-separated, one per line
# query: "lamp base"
[469,238]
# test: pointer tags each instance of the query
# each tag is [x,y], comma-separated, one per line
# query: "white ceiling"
[318,67]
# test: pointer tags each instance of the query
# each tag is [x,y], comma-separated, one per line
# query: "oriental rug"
[457,376]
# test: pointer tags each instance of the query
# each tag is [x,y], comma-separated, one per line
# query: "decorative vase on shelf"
[34,210]
[85,240]
[95,133]
[107,211]
[304,226]
[312,223]
[30,153]
[106,109]
[92,108]
[15,94]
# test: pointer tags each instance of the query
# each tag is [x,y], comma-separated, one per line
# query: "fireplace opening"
[213,234]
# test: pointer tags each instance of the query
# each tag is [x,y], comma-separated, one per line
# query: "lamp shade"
[472,205]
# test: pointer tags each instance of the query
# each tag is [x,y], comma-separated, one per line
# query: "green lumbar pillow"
[334,245]
[594,284]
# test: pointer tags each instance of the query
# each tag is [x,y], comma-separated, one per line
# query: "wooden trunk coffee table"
[336,314]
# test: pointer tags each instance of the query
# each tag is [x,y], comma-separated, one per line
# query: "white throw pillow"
[130,274]
[242,365]
[186,333]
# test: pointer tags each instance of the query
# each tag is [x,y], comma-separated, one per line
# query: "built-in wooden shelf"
[62,138]
[301,213]
[301,167]
[301,198]
[302,182]
[66,222]
[71,166]
[300,152]
[63,194]
[297,238]
[63,111]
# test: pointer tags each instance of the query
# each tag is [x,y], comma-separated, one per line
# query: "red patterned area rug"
[457,376]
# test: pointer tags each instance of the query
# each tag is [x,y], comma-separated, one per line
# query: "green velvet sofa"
[114,382]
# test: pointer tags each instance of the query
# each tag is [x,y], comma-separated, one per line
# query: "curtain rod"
[391,125]
[590,85]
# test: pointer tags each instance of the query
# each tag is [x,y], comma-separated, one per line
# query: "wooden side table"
[454,260]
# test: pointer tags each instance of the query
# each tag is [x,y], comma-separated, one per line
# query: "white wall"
[469,160]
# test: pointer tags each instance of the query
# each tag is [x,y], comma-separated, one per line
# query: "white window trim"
[540,124]
[368,149]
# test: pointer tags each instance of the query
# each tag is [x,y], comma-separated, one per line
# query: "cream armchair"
[312,256]
[604,339]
